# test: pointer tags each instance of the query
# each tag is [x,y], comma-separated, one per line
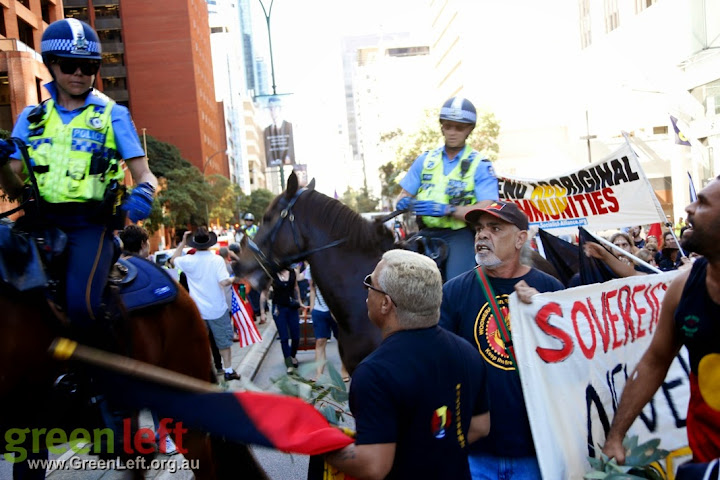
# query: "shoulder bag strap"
[499,319]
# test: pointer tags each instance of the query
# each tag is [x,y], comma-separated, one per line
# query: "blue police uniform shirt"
[466,312]
[486,184]
[126,137]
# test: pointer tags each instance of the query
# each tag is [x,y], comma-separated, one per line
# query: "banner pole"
[658,207]
[635,259]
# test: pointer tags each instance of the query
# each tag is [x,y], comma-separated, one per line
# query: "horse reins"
[31,199]
[272,267]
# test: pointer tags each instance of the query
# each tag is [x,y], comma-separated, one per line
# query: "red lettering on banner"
[542,319]
[604,332]
[597,200]
[640,311]
[614,205]
[579,307]
[608,315]
[625,313]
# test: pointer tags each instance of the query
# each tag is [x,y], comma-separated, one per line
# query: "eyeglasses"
[460,127]
[367,282]
[70,66]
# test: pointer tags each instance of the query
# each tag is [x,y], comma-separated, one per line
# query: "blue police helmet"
[70,38]
[458,109]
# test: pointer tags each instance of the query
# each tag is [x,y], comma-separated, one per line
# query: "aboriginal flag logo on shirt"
[488,338]
[440,421]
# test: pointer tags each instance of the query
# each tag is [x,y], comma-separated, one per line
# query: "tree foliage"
[360,200]
[256,203]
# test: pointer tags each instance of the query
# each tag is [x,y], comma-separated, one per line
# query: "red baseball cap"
[507,211]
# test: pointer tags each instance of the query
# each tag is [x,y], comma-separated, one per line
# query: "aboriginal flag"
[680,137]
[253,418]
[564,256]
[592,270]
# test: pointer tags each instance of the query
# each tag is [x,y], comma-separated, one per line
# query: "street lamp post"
[267,12]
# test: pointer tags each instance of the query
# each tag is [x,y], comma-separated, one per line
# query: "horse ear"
[311,185]
[292,186]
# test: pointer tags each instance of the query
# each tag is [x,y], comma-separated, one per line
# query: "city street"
[265,362]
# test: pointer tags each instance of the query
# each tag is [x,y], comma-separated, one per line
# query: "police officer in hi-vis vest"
[75,141]
[444,184]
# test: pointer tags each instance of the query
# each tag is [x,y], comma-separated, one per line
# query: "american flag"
[247,331]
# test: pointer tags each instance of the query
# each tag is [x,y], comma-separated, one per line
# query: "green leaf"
[630,442]
[596,463]
[335,377]
[330,414]
[595,475]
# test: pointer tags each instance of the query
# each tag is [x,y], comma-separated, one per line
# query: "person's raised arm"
[619,267]
[649,373]
[179,248]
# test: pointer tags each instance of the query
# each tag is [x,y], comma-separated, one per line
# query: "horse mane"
[344,222]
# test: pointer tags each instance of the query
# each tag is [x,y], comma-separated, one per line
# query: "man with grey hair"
[468,309]
[418,400]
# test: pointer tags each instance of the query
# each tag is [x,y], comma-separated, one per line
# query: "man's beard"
[487,260]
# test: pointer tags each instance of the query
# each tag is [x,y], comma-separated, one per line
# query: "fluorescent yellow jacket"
[457,188]
[74,162]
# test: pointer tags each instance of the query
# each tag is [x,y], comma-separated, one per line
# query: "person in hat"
[75,141]
[207,278]
[444,184]
[501,233]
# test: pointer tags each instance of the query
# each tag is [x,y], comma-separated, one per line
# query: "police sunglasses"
[367,282]
[69,66]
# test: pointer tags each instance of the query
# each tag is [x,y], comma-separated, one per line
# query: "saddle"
[29,261]
[434,248]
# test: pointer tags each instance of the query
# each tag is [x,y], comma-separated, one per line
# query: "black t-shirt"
[283,292]
[465,311]
[408,392]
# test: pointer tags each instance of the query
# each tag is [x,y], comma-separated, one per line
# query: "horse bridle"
[272,267]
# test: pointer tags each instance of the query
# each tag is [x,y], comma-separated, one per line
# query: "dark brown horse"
[172,336]
[341,248]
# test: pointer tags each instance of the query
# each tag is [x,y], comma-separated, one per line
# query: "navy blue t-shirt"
[465,311]
[409,392]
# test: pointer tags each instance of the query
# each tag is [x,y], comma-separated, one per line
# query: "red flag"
[247,331]
[656,230]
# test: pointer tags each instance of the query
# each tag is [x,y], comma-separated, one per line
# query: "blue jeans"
[287,321]
[490,467]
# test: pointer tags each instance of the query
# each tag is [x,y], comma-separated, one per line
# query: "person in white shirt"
[207,278]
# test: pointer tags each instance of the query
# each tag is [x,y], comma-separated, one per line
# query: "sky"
[306,37]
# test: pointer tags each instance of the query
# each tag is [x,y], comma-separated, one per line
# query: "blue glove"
[139,203]
[405,203]
[6,149]
[428,208]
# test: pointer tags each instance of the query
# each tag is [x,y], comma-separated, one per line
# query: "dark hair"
[133,237]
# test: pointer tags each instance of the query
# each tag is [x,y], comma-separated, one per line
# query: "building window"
[641,5]
[26,3]
[612,17]
[113,59]
[585,38]
[81,13]
[45,11]
[112,11]
[3,32]
[25,33]
[660,130]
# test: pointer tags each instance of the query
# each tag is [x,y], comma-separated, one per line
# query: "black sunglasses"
[70,66]
[367,282]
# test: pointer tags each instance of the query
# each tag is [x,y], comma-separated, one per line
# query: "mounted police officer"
[249,229]
[76,141]
[444,184]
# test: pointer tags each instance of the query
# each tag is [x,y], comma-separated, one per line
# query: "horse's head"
[279,241]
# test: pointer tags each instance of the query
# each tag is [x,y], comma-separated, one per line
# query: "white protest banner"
[575,349]
[605,195]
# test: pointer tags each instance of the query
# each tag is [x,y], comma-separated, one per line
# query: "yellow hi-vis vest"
[457,188]
[74,162]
